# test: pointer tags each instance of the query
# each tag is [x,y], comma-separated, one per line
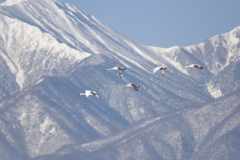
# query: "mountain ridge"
[51,51]
[11,2]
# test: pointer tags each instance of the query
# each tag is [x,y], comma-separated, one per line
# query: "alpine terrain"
[50,52]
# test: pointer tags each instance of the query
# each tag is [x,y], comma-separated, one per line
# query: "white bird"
[132,85]
[119,69]
[194,66]
[89,93]
[162,69]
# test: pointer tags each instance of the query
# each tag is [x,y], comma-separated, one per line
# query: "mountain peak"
[50,52]
[12,2]
[236,32]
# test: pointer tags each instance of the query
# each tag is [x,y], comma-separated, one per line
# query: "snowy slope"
[209,132]
[219,55]
[36,49]
[50,52]
[11,2]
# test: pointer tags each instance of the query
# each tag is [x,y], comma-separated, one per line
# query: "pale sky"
[165,23]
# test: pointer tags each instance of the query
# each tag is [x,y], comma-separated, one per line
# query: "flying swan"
[119,69]
[89,93]
[194,66]
[132,85]
[162,69]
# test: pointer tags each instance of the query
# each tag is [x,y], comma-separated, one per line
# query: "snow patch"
[10,64]
[97,125]
[12,2]
[47,126]
[40,81]
[20,78]
[22,117]
[214,91]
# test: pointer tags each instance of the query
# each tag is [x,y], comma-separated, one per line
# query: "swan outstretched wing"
[156,69]
[120,73]
[163,72]
[94,93]
[88,93]
[135,87]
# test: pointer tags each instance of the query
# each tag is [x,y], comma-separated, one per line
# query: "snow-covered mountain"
[51,51]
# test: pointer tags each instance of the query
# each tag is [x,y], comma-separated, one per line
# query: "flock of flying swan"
[134,86]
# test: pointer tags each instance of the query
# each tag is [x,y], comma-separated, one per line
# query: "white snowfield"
[51,51]
[42,47]
[11,2]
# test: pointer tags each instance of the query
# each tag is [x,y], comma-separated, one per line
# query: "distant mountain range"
[50,52]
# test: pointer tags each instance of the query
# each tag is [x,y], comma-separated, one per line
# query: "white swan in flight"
[89,93]
[120,70]
[162,69]
[194,66]
[132,85]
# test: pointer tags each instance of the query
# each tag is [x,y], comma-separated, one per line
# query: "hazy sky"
[165,23]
